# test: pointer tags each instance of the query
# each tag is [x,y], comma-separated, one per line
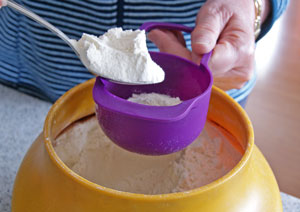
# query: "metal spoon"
[58,32]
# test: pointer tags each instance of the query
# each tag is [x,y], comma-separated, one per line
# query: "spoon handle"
[42,21]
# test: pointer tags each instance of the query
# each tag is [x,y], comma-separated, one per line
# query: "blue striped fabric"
[35,61]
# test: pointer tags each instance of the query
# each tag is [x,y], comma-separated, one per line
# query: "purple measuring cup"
[157,130]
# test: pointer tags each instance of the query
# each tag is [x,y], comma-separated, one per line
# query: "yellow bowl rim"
[146,197]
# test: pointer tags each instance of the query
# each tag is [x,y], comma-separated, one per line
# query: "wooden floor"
[274,105]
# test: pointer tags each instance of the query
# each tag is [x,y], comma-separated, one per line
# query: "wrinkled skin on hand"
[227,28]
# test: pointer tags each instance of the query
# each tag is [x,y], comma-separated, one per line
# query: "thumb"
[211,20]
[171,42]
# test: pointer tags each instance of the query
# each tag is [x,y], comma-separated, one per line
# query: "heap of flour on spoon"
[120,55]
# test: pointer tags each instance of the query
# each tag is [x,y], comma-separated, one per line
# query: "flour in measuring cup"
[154,99]
[121,55]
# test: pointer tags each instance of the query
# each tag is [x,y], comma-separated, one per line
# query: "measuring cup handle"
[205,59]
[148,26]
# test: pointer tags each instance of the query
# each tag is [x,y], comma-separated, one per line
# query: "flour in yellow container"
[85,149]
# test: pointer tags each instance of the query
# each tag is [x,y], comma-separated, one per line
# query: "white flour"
[85,149]
[154,99]
[119,55]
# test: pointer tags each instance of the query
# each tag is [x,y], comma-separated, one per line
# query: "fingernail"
[4,3]
[203,41]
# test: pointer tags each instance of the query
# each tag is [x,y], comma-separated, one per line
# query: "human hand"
[227,28]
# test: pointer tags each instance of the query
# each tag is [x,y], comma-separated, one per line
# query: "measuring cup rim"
[122,106]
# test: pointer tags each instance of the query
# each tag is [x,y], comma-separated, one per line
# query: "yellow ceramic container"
[45,183]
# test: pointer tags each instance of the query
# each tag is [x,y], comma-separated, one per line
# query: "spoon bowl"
[59,33]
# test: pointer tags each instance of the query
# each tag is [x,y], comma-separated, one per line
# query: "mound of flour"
[119,55]
[85,149]
[154,99]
